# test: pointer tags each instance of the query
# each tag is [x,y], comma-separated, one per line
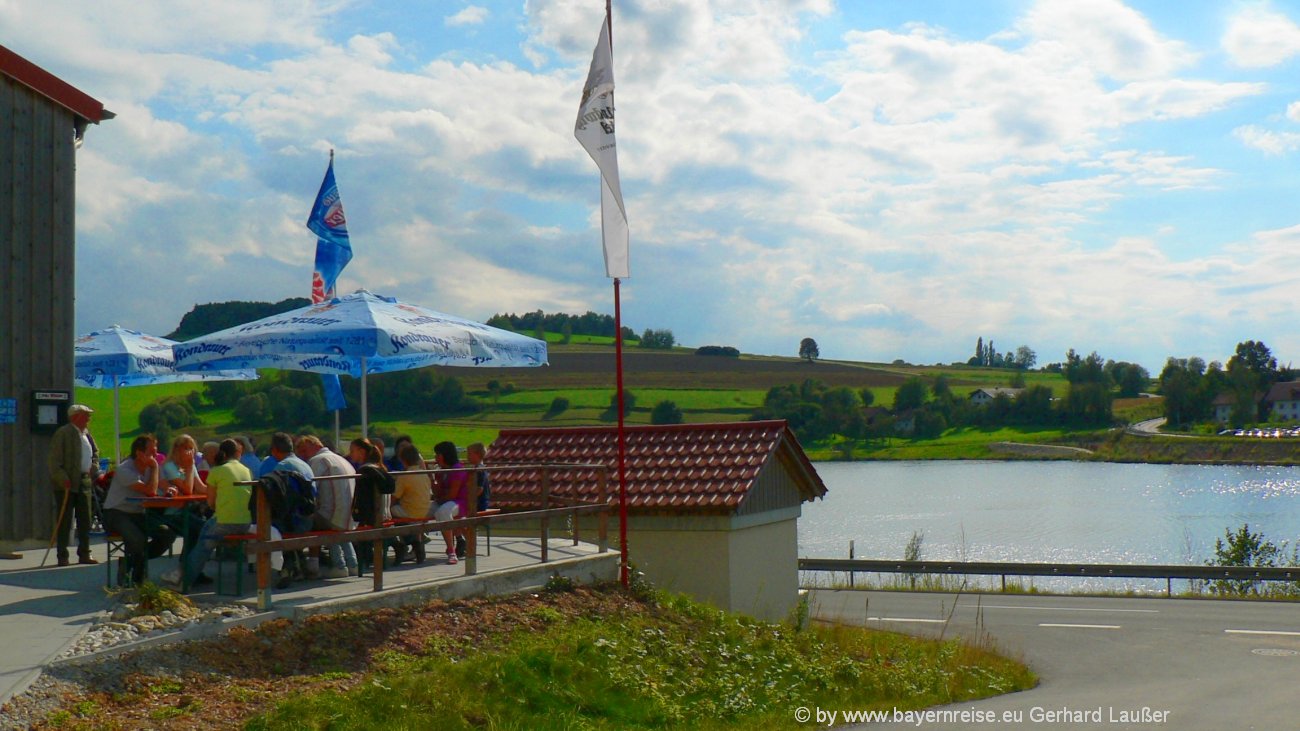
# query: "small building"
[1283,400]
[982,396]
[713,509]
[1226,401]
[43,120]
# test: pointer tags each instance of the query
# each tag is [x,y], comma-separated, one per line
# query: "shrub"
[666,412]
[723,350]
[559,405]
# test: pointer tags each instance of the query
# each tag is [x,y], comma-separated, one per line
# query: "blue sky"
[892,179]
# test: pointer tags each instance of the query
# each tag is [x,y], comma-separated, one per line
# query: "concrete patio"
[43,610]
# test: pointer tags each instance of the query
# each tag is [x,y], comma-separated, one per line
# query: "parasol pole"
[365,433]
[117,424]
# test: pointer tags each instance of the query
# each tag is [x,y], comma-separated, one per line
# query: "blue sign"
[8,411]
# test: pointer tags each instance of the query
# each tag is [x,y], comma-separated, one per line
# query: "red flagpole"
[622,440]
[618,369]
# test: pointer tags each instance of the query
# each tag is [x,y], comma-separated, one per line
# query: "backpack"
[291,498]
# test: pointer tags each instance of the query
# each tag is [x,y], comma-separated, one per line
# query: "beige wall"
[748,565]
[765,570]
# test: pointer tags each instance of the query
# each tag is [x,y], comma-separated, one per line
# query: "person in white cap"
[74,465]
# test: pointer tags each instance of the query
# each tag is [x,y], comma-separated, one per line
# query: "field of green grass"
[706,389]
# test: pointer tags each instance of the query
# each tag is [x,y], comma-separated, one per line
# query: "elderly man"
[74,465]
[333,502]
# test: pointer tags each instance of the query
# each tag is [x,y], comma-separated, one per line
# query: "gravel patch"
[102,656]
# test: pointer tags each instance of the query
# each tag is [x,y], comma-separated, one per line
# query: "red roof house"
[713,508]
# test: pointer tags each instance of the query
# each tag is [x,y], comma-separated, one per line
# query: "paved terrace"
[44,610]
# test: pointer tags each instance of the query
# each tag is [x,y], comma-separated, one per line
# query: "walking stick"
[53,535]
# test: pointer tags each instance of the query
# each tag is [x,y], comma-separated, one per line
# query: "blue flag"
[333,250]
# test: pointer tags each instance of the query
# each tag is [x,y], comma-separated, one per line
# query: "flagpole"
[622,439]
[618,370]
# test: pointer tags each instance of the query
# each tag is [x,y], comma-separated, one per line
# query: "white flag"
[595,132]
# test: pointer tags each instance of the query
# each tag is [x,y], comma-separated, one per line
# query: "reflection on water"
[1068,512]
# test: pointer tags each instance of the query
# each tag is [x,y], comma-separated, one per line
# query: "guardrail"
[1057,570]
[570,508]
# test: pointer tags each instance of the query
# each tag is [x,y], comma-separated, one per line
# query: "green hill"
[210,318]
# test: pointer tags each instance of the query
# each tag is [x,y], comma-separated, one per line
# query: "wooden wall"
[37,280]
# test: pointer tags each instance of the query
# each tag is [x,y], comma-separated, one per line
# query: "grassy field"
[705,388]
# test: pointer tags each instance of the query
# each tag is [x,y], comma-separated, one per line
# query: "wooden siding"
[37,197]
[774,489]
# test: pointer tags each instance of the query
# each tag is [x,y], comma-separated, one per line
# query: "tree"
[253,410]
[1255,357]
[657,339]
[808,350]
[910,395]
[1025,357]
[1131,378]
[1180,383]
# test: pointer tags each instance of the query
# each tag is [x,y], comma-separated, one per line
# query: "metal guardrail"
[1058,570]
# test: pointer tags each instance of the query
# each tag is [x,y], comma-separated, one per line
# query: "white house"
[982,396]
[1283,400]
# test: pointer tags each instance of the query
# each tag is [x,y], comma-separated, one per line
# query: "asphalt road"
[1194,664]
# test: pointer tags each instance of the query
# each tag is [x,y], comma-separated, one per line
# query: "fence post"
[377,546]
[546,520]
[852,575]
[263,558]
[602,524]
[471,531]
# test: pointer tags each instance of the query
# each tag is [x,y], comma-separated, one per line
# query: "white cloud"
[470,15]
[1258,37]
[1293,111]
[1274,143]
[1104,35]
[925,185]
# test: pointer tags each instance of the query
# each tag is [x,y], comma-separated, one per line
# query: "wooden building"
[713,509]
[42,121]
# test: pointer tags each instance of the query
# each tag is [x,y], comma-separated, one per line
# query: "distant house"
[712,508]
[1224,402]
[905,422]
[982,396]
[1283,400]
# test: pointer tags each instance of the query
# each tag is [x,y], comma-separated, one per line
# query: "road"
[1208,664]
[1149,427]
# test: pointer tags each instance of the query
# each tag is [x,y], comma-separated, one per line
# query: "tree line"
[588,323]
[1190,385]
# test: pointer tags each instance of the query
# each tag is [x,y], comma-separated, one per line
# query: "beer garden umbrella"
[356,335]
[116,357]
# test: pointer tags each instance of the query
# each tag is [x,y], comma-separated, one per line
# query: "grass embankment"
[1121,447]
[591,658]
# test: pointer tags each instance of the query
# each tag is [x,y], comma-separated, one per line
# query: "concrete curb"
[583,569]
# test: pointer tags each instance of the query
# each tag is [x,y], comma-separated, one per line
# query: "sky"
[892,178]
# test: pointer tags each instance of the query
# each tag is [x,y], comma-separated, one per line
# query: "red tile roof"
[680,468]
[50,86]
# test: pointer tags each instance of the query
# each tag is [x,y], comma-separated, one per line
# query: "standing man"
[74,465]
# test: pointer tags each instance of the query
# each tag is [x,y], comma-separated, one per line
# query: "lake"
[1067,512]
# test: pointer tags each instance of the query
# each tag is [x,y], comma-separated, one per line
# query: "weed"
[558,583]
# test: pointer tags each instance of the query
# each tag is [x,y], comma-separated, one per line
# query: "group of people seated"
[344,495]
